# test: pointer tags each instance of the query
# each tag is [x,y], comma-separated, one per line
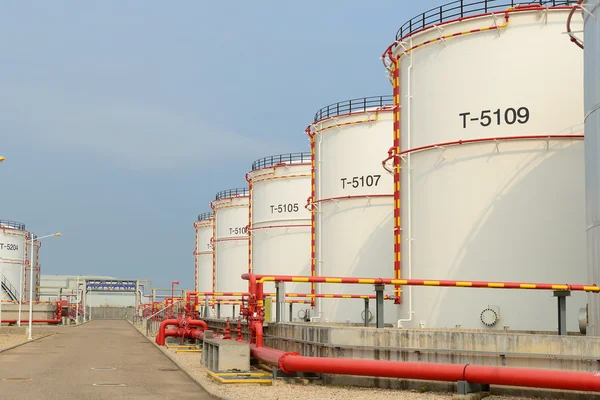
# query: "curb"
[27,342]
[181,367]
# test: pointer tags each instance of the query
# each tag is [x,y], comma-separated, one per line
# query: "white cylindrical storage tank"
[230,243]
[13,240]
[352,202]
[592,154]
[491,157]
[280,224]
[203,255]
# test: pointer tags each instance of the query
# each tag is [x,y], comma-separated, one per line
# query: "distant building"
[52,286]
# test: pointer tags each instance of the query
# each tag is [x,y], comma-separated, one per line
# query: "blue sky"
[120,120]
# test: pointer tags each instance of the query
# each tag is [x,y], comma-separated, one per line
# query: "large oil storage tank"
[352,203]
[592,154]
[491,156]
[280,224]
[203,255]
[230,242]
[13,237]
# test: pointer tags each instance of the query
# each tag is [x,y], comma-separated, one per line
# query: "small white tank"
[280,224]
[352,202]
[12,258]
[231,242]
[203,255]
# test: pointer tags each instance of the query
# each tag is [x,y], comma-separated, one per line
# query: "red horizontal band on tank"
[279,226]
[229,198]
[202,253]
[351,197]
[391,47]
[379,109]
[482,140]
[424,282]
[229,239]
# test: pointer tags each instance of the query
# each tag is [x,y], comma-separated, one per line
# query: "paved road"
[61,367]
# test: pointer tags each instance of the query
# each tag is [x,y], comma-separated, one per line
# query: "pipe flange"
[281,367]
[489,317]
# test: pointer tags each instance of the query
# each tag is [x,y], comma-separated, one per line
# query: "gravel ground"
[286,391]
[12,336]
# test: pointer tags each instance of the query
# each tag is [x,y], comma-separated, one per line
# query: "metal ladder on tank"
[8,287]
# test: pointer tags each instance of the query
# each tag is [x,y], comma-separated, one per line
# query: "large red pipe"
[522,377]
[257,328]
[267,355]
[385,369]
[34,321]
[160,336]
[183,328]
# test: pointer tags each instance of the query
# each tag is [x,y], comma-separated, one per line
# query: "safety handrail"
[12,291]
[592,288]
[205,216]
[460,9]
[4,223]
[281,159]
[353,105]
[164,308]
[225,194]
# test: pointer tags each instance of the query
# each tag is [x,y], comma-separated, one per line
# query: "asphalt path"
[96,360]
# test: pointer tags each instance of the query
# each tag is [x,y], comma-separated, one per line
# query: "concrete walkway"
[62,367]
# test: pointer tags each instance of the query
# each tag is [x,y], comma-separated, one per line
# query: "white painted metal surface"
[592,154]
[36,265]
[204,254]
[231,244]
[354,208]
[280,223]
[499,210]
[12,256]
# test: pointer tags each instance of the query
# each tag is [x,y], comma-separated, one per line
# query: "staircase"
[8,288]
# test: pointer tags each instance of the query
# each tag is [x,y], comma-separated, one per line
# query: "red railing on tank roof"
[352,106]
[12,224]
[288,158]
[226,194]
[460,9]
[205,216]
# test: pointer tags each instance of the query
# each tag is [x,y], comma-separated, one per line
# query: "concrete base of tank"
[10,311]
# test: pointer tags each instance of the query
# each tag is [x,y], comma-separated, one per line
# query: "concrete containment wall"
[10,311]
[113,313]
[440,346]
